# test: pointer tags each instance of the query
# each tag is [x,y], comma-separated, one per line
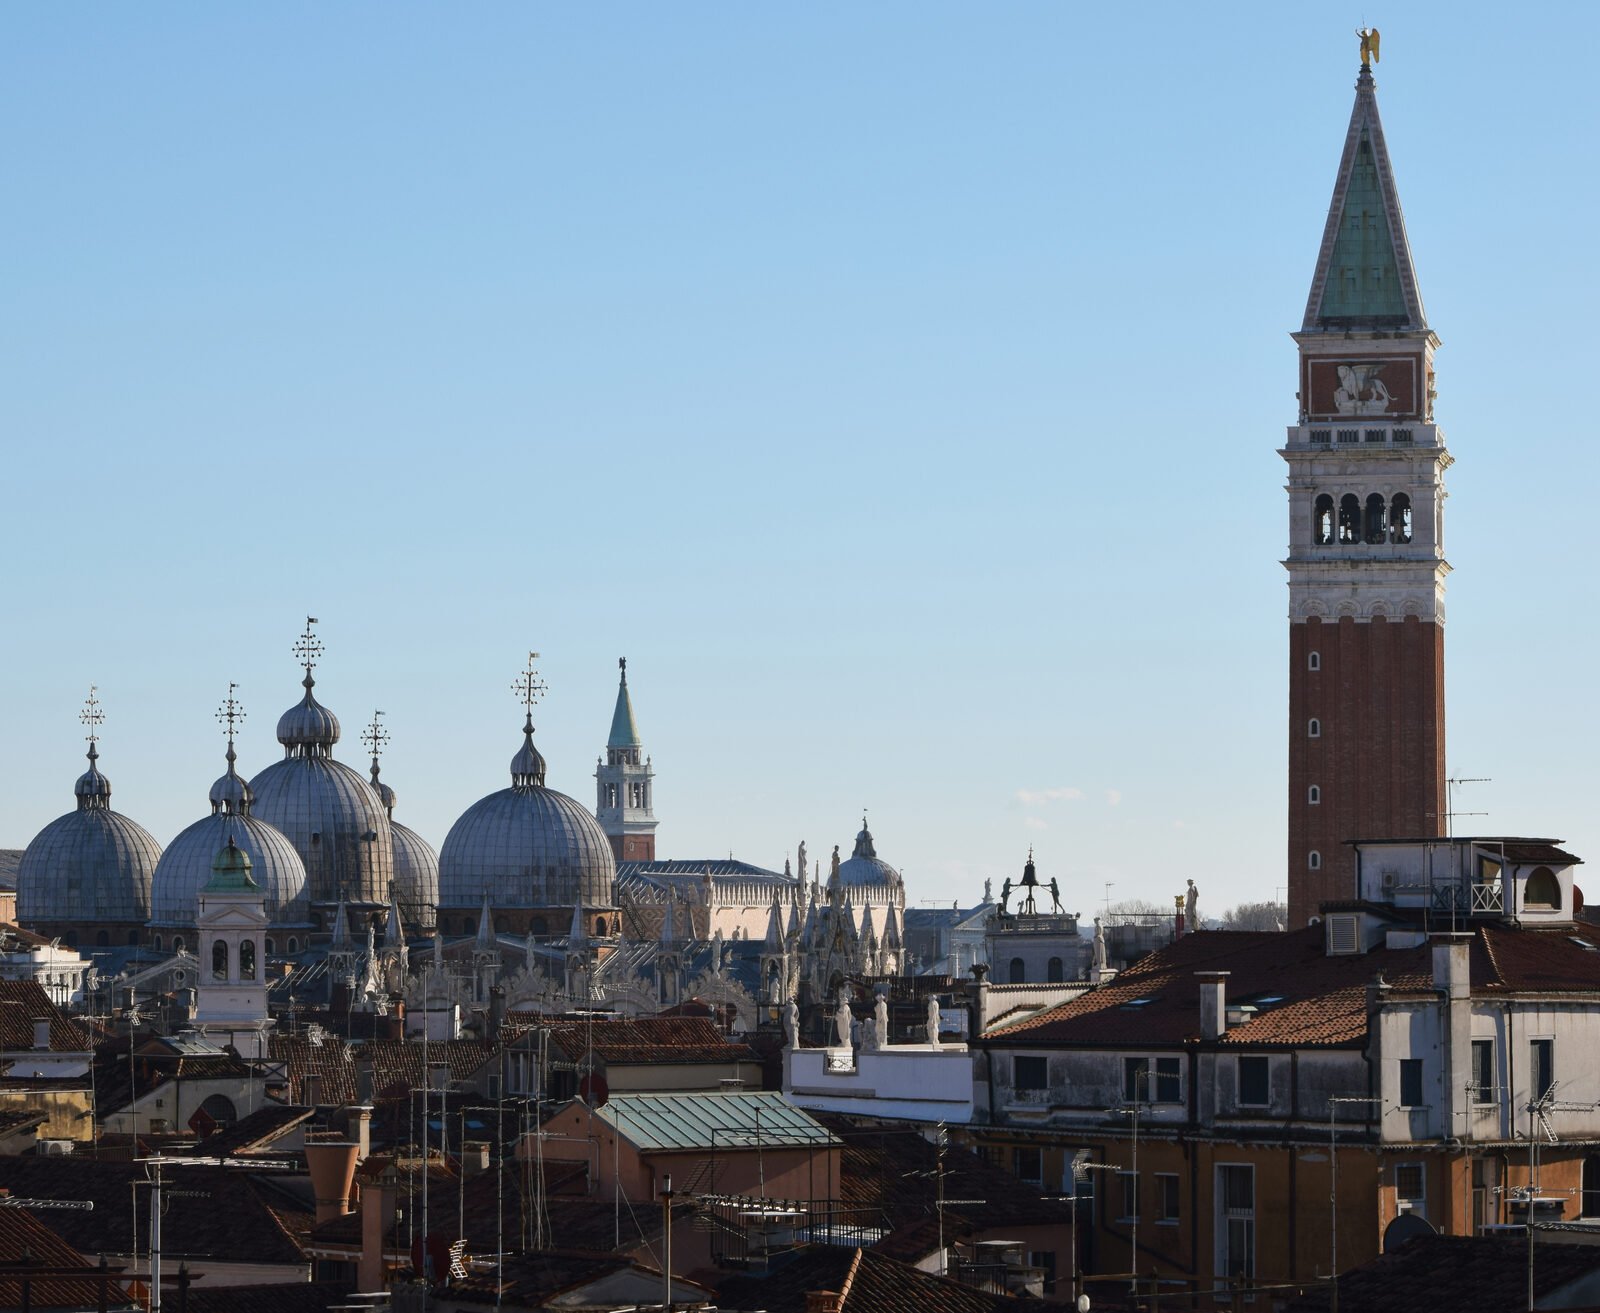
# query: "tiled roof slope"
[396,1064]
[867,1282]
[648,1039]
[23,1000]
[1323,998]
[1484,1274]
[280,1297]
[22,1234]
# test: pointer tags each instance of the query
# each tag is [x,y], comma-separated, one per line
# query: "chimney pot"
[1213,1004]
[822,1301]
[41,1032]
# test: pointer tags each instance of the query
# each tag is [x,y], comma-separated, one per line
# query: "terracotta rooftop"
[23,1233]
[23,1000]
[867,1282]
[396,1064]
[1301,996]
[648,1040]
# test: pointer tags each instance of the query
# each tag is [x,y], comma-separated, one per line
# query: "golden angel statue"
[1369,44]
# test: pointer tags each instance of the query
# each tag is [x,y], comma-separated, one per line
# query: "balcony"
[1362,435]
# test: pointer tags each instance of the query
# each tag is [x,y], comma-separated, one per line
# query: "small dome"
[230,870]
[91,865]
[93,788]
[308,726]
[865,870]
[230,793]
[416,876]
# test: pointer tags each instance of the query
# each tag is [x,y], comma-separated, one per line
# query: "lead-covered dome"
[186,865]
[416,865]
[527,847]
[92,865]
[867,873]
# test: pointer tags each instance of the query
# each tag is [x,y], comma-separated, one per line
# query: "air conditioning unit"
[1391,880]
[55,1148]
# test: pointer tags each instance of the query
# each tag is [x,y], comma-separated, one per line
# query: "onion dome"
[527,846]
[187,865]
[92,865]
[328,811]
[865,870]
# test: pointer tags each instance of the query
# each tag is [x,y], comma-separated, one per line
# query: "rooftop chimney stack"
[1213,1004]
[41,1032]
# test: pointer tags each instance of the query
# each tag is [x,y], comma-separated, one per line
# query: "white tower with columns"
[231,996]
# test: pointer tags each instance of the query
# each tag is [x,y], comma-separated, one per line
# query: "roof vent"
[1344,934]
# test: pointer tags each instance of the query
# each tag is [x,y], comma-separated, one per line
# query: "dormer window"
[1542,892]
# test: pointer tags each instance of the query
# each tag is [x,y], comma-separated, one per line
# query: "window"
[1029,1073]
[1543,890]
[600,927]
[1236,1222]
[158,943]
[247,959]
[1411,1082]
[294,944]
[1400,513]
[1054,973]
[1128,1183]
[1377,515]
[1483,1071]
[1168,1085]
[1313,860]
[1141,1085]
[1019,973]
[1314,728]
[1167,1198]
[269,947]
[1349,518]
[177,943]
[1314,795]
[1410,1188]
[1027,1164]
[1591,1187]
[1255,1086]
[1542,1066]
[1322,521]
[1313,660]
[219,960]
[1135,1079]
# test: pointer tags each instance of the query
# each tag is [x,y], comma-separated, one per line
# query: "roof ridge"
[1494,960]
[849,1278]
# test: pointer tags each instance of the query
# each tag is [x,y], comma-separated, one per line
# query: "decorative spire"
[624,729]
[340,939]
[485,940]
[577,935]
[774,940]
[93,789]
[230,793]
[1364,278]
[864,846]
[307,649]
[309,729]
[669,933]
[376,738]
[527,767]
[394,935]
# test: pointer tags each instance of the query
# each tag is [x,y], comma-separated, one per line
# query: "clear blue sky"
[898,386]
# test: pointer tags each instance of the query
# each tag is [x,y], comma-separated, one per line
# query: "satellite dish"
[1408,1226]
[593,1090]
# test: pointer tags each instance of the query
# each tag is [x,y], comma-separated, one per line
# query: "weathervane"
[91,715]
[231,712]
[375,737]
[528,687]
[308,647]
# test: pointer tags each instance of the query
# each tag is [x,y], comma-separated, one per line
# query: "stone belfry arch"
[1366,539]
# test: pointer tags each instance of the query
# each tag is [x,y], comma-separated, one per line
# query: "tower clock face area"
[1366,540]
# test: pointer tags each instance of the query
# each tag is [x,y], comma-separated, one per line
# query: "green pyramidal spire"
[624,732]
[1364,277]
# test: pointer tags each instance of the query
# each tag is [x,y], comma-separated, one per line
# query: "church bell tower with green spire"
[625,783]
[1366,537]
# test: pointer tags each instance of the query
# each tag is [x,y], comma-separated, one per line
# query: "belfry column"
[625,783]
[1366,542]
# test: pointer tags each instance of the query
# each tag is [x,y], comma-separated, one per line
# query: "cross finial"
[528,687]
[231,713]
[375,736]
[91,715]
[622,665]
[308,647]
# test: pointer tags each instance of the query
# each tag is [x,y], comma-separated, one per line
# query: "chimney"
[1451,972]
[1213,1004]
[438,1075]
[497,1011]
[978,999]
[311,1089]
[823,1301]
[363,1080]
[358,1127]
[474,1157]
[41,1032]
[332,1165]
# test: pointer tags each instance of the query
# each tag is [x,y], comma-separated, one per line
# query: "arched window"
[1313,660]
[158,943]
[1053,972]
[1400,519]
[294,944]
[102,939]
[1349,518]
[219,1107]
[269,947]
[1543,890]
[1314,795]
[1313,860]
[177,943]
[600,927]
[247,959]
[1322,521]
[1314,728]
[1018,971]
[219,960]
[1377,519]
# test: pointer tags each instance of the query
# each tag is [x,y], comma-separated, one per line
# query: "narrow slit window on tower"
[1314,661]
[1400,518]
[1313,860]
[1322,527]
[1377,518]
[1314,795]
[1314,728]
[1349,518]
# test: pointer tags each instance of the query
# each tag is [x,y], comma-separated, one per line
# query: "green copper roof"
[624,732]
[1364,276]
[230,872]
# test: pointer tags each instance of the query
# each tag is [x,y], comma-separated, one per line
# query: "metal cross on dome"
[375,736]
[308,647]
[528,687]
[91,715]
[231,712]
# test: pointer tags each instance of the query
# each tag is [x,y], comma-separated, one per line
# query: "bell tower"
[625,783]
[1366,538]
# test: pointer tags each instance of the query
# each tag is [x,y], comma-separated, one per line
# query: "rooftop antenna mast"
[1450,807]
